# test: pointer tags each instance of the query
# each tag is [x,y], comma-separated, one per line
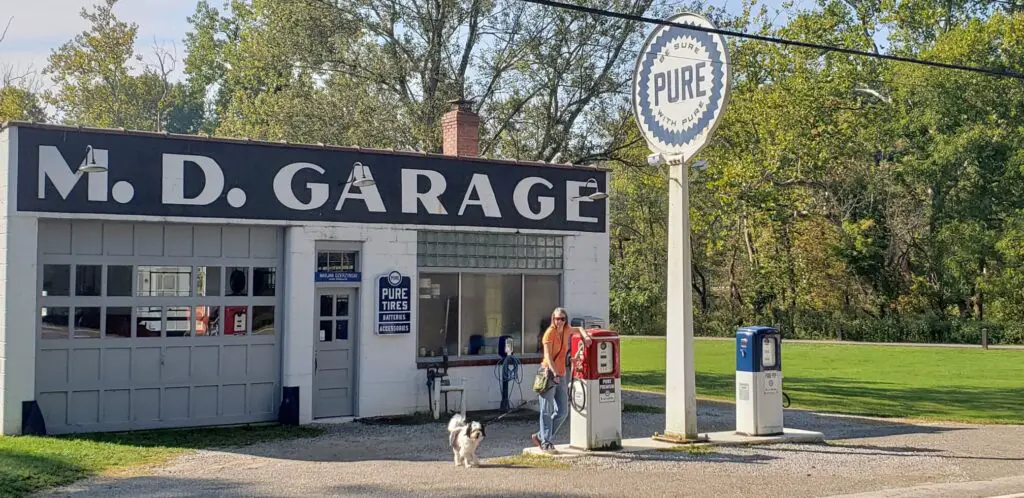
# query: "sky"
[39,26]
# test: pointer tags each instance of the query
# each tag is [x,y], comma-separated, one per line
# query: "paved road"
[864,456]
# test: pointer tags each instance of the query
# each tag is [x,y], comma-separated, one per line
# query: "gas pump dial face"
[604,358]
[768,352]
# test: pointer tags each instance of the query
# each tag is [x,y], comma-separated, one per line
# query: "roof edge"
[297,145]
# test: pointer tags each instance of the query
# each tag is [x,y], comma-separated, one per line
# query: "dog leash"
[503,415]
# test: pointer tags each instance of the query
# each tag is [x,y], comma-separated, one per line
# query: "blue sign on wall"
[394,304]
[339,276]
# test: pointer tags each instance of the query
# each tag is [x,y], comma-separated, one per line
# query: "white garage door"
[157,325]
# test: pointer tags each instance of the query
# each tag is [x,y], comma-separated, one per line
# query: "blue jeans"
[554,407]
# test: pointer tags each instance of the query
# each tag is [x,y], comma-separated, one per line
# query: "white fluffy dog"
[465,437]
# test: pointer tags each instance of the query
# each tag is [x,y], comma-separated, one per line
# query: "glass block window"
[489,250]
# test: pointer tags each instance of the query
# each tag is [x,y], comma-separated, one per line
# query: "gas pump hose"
[572,395]
[512,367]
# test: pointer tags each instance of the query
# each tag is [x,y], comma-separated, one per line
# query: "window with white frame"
[476,287]
[122,301]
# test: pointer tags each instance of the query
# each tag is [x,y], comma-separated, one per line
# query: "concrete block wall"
[6,160]
[388,381]
[18,296]
[385,365]
[586,280]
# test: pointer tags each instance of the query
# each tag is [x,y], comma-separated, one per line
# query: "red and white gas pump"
[595,392]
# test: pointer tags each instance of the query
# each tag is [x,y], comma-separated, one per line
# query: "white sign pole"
[680,90]
[680,371]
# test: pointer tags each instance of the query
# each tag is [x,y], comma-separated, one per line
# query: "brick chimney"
[461,128]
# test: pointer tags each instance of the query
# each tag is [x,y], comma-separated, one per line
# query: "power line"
[772,39]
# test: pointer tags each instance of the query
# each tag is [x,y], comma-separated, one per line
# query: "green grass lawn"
[29,464]
[951,384]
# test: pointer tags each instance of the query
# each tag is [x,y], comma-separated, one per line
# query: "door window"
[333,317]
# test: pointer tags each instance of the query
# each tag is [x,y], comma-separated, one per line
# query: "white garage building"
[152,280]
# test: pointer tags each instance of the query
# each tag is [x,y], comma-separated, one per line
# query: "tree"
[97,83]
[380,73]
[18,101]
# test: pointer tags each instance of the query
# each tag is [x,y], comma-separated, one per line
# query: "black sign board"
[154,175]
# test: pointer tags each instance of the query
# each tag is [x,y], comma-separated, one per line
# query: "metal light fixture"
[596,195]
[362,179]
[875,94]
[90,165]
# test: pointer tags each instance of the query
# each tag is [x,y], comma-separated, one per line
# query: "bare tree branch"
[4,34]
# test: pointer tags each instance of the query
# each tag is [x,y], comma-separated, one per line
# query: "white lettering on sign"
[573,200]
[481,185]
[521,198]
[318,192]
[369,194]
[431,199]
[606,391]
[394,306]
[394,293]
[52,166]
[174,180]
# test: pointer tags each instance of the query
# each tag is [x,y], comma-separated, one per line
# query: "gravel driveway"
[863,455]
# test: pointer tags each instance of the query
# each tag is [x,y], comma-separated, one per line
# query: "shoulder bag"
[545,378]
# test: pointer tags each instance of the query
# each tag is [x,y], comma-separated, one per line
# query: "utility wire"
[772,39]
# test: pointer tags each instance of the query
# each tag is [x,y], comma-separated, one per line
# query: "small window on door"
[344,261]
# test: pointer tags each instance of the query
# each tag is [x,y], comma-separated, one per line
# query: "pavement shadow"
[376,490]
[870,450]
[711,456]
[155,486]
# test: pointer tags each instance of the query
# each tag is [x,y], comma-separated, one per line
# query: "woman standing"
[553,403]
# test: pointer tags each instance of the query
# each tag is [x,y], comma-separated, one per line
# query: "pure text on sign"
[394,299]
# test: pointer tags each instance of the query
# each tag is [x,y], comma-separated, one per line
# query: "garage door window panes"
[119,322]
[95,301]
[56,322]
[163,281]
[56,280]
[208,279]
[476,287]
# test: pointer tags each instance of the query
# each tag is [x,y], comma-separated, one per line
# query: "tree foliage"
[98,84]
[845,197]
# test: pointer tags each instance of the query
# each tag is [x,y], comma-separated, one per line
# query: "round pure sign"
[680,86]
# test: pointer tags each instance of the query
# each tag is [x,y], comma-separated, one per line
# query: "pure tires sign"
[394,304]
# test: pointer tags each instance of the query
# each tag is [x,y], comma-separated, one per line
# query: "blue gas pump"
[758,381]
